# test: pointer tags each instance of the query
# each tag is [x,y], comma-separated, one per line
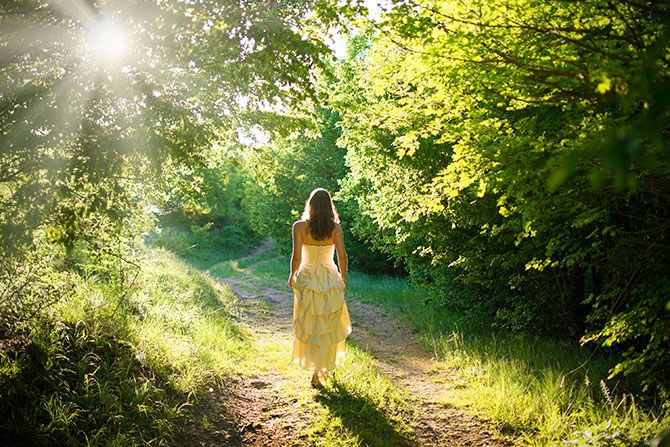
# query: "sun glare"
[106,38]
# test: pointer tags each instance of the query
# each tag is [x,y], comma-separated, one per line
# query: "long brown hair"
[320,214]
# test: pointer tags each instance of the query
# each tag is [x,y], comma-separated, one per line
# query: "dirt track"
[263,411]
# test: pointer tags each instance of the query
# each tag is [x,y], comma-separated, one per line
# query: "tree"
[101,104]
[522,148]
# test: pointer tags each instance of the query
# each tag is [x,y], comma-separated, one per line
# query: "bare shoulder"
[299,225]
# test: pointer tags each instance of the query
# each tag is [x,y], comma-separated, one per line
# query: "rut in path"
[264,410]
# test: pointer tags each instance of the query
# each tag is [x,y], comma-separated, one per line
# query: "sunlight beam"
[77,9]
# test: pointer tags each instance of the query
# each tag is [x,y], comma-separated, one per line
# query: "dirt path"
[410,366]
[262,408]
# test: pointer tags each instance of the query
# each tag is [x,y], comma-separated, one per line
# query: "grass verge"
[358,405]
[102,368]
[545,392]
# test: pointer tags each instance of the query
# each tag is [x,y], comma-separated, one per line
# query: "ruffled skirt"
[321,320]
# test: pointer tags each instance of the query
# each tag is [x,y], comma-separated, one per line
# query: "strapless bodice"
[318,254]
[321,320]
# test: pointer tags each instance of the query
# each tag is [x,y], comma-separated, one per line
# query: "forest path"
[275,406]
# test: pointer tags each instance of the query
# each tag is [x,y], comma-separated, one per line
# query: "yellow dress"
[321,320]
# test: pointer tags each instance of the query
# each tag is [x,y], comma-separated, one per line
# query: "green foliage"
[548,392]
[89,141]
[543,391]
[209,193]
[520,150]
[281,177]
[117,368]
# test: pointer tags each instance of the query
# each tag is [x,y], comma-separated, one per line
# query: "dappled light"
[492,180]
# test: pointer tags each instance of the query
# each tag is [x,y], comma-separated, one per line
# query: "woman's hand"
[291,281]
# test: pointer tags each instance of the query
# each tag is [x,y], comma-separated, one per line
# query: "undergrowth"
[541,391]
[545,392]
[103,367]
[107,366]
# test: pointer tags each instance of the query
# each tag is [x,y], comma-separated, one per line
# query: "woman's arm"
[296,254]
[342,260]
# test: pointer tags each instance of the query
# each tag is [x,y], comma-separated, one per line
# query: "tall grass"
[104,368]
[544,392]
[183,323]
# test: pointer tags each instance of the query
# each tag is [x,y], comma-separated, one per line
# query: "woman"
[320,316]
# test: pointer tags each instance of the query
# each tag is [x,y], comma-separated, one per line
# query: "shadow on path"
[373,429]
